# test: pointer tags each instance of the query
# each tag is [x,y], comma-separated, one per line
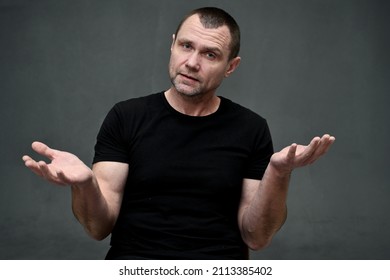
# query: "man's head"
[204,51]
[212,17]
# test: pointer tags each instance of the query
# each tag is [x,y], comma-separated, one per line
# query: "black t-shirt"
[185,177]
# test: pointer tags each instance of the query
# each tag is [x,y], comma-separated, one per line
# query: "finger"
[43,150]
[329,142]
[26,158]
[308,152]
[323,147]
[315,142]
[324,144]
[32,165]
[48,173]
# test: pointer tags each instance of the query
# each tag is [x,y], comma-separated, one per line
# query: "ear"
[173,41]
[233,64]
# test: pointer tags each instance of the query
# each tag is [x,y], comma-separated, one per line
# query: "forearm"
[263,208]
[267,210]
[91,209]
[96,193]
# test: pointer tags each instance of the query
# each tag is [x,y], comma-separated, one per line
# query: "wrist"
[89,181]
[279,172]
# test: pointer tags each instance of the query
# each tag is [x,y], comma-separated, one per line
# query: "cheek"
[216,75]
[172,65]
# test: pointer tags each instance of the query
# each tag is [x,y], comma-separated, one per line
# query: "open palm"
[65,168]
[295,156]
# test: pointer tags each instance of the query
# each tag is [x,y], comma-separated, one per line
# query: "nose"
[193,61]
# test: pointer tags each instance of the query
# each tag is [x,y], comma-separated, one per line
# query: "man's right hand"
[64,169]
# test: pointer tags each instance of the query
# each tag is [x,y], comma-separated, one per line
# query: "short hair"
[212,17]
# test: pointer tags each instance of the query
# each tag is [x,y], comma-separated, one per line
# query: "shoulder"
[241,112]
[137,103]
[132,111]
[136,108]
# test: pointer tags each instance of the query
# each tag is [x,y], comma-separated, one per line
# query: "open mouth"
[189,77]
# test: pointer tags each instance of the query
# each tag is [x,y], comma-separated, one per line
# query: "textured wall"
[308,67]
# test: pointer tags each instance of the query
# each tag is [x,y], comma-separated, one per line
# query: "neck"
[197,106]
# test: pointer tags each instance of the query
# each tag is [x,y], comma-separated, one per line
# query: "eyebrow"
[206,48]
[214,50]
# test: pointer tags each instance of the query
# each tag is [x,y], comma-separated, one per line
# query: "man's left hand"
[296,155]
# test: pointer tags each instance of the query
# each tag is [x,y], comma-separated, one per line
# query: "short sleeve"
[111,143]
[261,155]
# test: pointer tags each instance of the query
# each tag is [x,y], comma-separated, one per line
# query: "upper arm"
[111,177]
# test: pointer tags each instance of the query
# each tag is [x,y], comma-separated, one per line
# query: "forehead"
[193,30]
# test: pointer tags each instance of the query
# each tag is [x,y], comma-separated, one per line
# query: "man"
[185,173]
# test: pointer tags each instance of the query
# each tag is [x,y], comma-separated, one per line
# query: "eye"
[186,46]
[211,55]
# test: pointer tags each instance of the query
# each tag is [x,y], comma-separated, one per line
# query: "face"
[200,58]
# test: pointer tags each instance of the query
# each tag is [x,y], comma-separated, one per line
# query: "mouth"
[189,77]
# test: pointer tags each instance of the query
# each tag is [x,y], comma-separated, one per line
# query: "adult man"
[179,174]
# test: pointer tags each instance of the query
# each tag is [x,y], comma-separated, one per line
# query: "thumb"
[43,149]
[291,153]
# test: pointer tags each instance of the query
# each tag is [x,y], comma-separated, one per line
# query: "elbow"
[98,236]
[257,239]
[97,233]
[258,244]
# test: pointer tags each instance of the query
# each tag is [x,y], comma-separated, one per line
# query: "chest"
[200,158]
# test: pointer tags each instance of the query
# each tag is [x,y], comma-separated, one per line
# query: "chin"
[190,94]
[187,91]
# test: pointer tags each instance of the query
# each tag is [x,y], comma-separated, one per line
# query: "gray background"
[308,66]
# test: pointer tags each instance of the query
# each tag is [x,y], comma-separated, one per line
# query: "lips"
[189,77]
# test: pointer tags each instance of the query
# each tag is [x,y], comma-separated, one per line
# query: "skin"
[199,63]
